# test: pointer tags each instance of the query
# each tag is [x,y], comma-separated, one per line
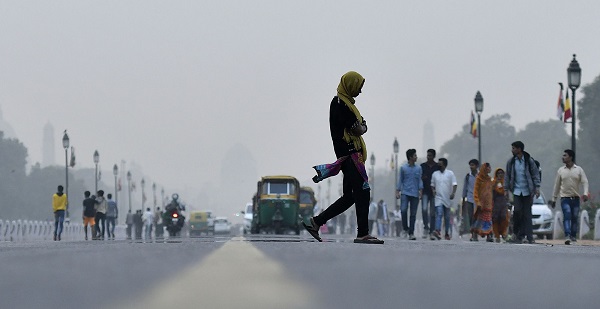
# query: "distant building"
[48,154]
[428,137]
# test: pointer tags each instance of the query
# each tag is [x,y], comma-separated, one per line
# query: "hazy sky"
[175,85]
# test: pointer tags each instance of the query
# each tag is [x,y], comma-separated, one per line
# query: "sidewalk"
[582,242]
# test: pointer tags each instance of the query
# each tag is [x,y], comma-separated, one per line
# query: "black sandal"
[312,229]
[368,240]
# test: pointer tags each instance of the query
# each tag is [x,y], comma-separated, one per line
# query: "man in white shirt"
[566,186]
[443,185]
[372,215]
[148,218]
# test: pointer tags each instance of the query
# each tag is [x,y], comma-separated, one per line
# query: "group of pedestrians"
[435,186]
[100,214]
[486,198]
[139,224]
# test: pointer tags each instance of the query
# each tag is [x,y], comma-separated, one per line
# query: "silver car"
[542,218]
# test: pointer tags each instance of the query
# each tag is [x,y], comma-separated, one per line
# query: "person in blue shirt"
[409,191]
[522,179]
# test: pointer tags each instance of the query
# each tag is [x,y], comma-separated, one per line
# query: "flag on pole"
[473,125]
[560,106]
[72,163]
[567,108]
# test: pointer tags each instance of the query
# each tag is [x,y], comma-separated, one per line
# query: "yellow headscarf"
[349,87]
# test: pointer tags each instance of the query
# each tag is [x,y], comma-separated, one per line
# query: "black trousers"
[522,217]
[353,193]
[100,224]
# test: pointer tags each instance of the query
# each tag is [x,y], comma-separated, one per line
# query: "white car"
[222,225]
[247,218]
[542,218]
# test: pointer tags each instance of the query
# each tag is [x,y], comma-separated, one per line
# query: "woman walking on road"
[482,194]
[500,215]
[347,127]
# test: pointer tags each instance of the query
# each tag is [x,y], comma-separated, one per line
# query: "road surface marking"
[237,275]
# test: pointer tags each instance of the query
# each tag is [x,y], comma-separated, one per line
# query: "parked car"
[222,225]
[542,218]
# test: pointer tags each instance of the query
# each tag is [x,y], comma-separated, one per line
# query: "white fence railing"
[27,230]
[584,225]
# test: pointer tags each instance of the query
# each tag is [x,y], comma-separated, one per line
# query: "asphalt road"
[295,272]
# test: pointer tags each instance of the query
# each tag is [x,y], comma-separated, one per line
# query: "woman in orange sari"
[500,215]
[482,195]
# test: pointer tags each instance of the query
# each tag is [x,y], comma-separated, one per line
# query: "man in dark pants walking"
[522,180]
[347,127]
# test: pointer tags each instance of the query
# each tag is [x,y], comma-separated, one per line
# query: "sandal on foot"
[313,229]
[368,240]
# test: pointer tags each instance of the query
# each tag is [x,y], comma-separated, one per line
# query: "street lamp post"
[115,173]
[162,196]
[129,188]
[154,194]
[479,110]
[396,150]
[65,141]
[96,160]
[373,175]
[574,77]
[143,182]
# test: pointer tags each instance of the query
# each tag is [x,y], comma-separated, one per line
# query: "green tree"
[12,169]
[497,135]
[588,148]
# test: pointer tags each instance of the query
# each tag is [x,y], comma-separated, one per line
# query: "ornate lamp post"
[65,142]
[115,173]
[143,183]
[574,78]
[479,110]
[396,150]
[372,174]
[129,188]
[96,160]
[154,193]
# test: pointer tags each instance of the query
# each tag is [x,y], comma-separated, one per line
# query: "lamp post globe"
[574,78]
[574,74]
[479,109]
[65,140]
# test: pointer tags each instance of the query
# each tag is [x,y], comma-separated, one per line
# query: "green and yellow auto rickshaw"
[276,207]
[307,203]
[201,222]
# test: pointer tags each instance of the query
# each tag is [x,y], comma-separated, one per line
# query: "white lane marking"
[237,275]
